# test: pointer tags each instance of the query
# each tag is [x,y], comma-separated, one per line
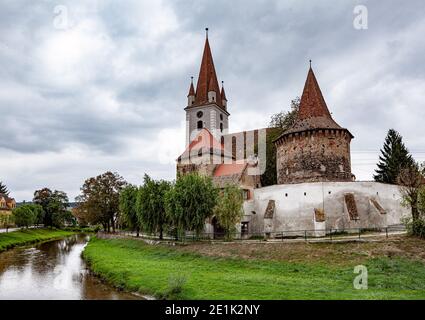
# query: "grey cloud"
[128,77]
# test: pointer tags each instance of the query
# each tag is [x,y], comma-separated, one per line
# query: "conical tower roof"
[207,79]
[313,112]
[191,89]
[223,93]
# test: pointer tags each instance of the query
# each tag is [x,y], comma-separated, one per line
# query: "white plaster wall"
[211,120]
[295,205]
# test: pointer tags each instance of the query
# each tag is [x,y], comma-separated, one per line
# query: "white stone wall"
[295,204]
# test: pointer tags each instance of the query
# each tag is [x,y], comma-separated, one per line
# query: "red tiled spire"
[312,102]
[313,113]
[207,80]
[223,93]
[191,89]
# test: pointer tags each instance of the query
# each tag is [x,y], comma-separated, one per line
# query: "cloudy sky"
[90,86]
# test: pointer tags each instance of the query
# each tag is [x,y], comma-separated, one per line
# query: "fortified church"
[315,191]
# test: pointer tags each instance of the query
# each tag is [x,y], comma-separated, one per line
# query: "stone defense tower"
[207,106]
[315,148]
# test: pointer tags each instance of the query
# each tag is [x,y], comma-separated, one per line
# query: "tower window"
[221,117]
[200,124]
[221,127]
[199,114]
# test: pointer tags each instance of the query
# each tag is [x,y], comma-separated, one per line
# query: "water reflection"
[52,270]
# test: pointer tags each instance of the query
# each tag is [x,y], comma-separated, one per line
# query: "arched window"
[200,124]
[221,127]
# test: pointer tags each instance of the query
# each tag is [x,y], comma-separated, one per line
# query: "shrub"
[175,288]
[415,227]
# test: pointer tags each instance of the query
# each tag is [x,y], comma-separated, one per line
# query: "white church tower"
[207,106]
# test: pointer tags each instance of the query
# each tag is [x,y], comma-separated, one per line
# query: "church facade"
[315,191]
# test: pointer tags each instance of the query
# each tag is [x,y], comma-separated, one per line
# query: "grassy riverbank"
[162,271]
[24,237]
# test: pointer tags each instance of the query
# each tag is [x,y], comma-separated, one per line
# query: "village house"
[7,204]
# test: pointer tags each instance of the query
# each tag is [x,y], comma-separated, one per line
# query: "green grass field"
[24,237]
[135,266]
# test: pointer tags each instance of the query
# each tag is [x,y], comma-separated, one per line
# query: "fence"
[328,234]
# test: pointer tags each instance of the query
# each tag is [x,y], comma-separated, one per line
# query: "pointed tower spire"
[223,93]
[313,112]
[312,102]
[191,94]
[223,96]
[207,80]
[191,88]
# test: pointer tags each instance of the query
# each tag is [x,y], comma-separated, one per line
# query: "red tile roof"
[204,140]
[313,112]
[229,169]
[207,79]
[312,102]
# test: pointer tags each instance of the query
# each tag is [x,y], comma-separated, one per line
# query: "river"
[52,270]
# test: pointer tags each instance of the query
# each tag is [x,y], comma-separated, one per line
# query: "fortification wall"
[326,205]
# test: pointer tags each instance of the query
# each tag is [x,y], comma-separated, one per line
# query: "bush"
[175,288]
[415,228]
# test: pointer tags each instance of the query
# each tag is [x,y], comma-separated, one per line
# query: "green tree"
[151,205]
[411,180]
[54,204]
[3,189]
[394,157]
[98,202]
[279,123]
[421,201]
[128,209]
[190,202]
[39,214]
[6,220]
[285,119]
[269,177]
[26,215]
[229,209]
